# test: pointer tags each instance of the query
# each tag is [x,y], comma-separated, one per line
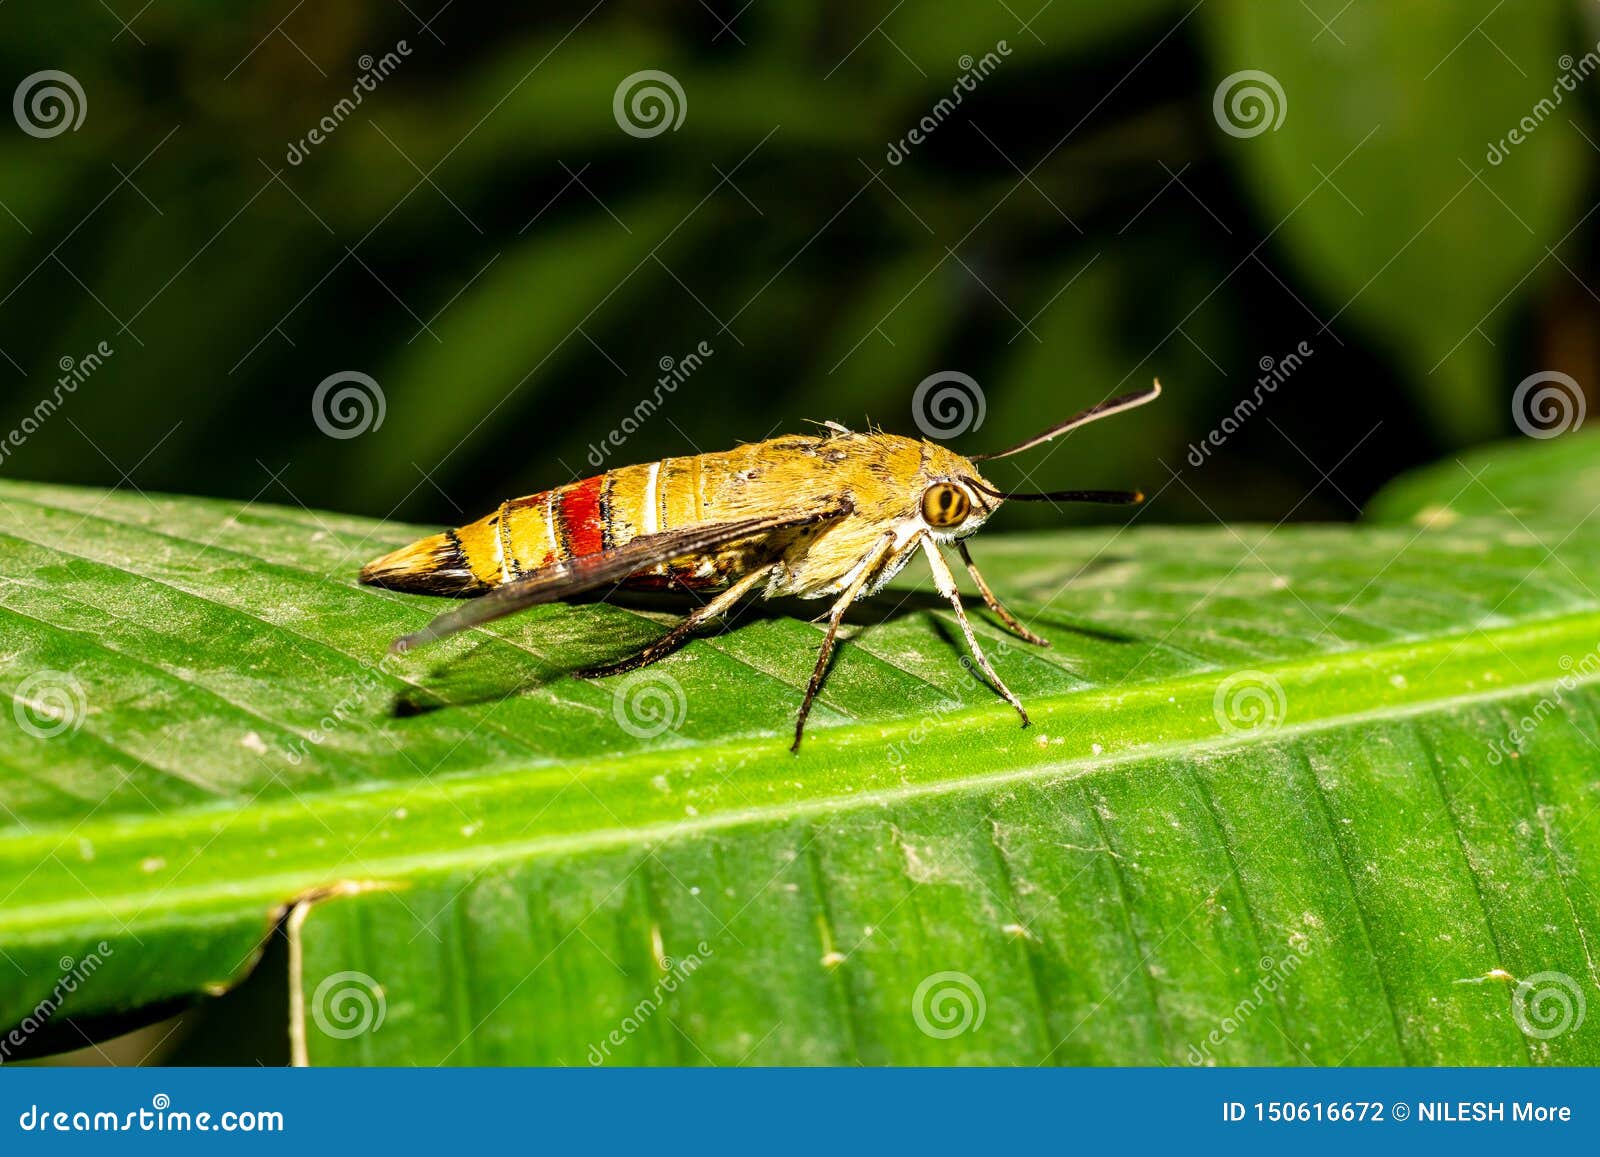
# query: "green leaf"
[1431,265]
[1311,794]
[1554,483]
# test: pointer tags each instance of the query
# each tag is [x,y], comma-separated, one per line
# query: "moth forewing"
[835,515]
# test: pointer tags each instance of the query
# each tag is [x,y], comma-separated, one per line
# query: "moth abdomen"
[436,565]
[526,535]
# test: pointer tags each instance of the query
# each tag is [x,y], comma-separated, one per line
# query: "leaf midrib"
[1438,674]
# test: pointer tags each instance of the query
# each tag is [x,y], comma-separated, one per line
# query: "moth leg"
[835,615]
[946,582]
[680,634]
[995,604]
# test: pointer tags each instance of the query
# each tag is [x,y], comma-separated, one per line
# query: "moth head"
[955,499]
[945,498]
[989,496]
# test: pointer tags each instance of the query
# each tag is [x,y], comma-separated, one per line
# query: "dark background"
[482,238]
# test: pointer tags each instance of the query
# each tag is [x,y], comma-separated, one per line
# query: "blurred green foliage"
[483,239]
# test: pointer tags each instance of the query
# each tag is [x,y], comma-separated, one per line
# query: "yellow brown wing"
[575,576]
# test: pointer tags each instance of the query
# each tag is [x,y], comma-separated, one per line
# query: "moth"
[833,515]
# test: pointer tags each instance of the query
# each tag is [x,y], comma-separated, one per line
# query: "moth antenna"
[1092,414]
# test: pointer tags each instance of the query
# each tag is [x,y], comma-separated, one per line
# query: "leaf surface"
[1290,796]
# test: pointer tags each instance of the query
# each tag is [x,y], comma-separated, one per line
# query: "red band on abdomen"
[582,527]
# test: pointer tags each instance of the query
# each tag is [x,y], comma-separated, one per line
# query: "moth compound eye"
[944,505]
